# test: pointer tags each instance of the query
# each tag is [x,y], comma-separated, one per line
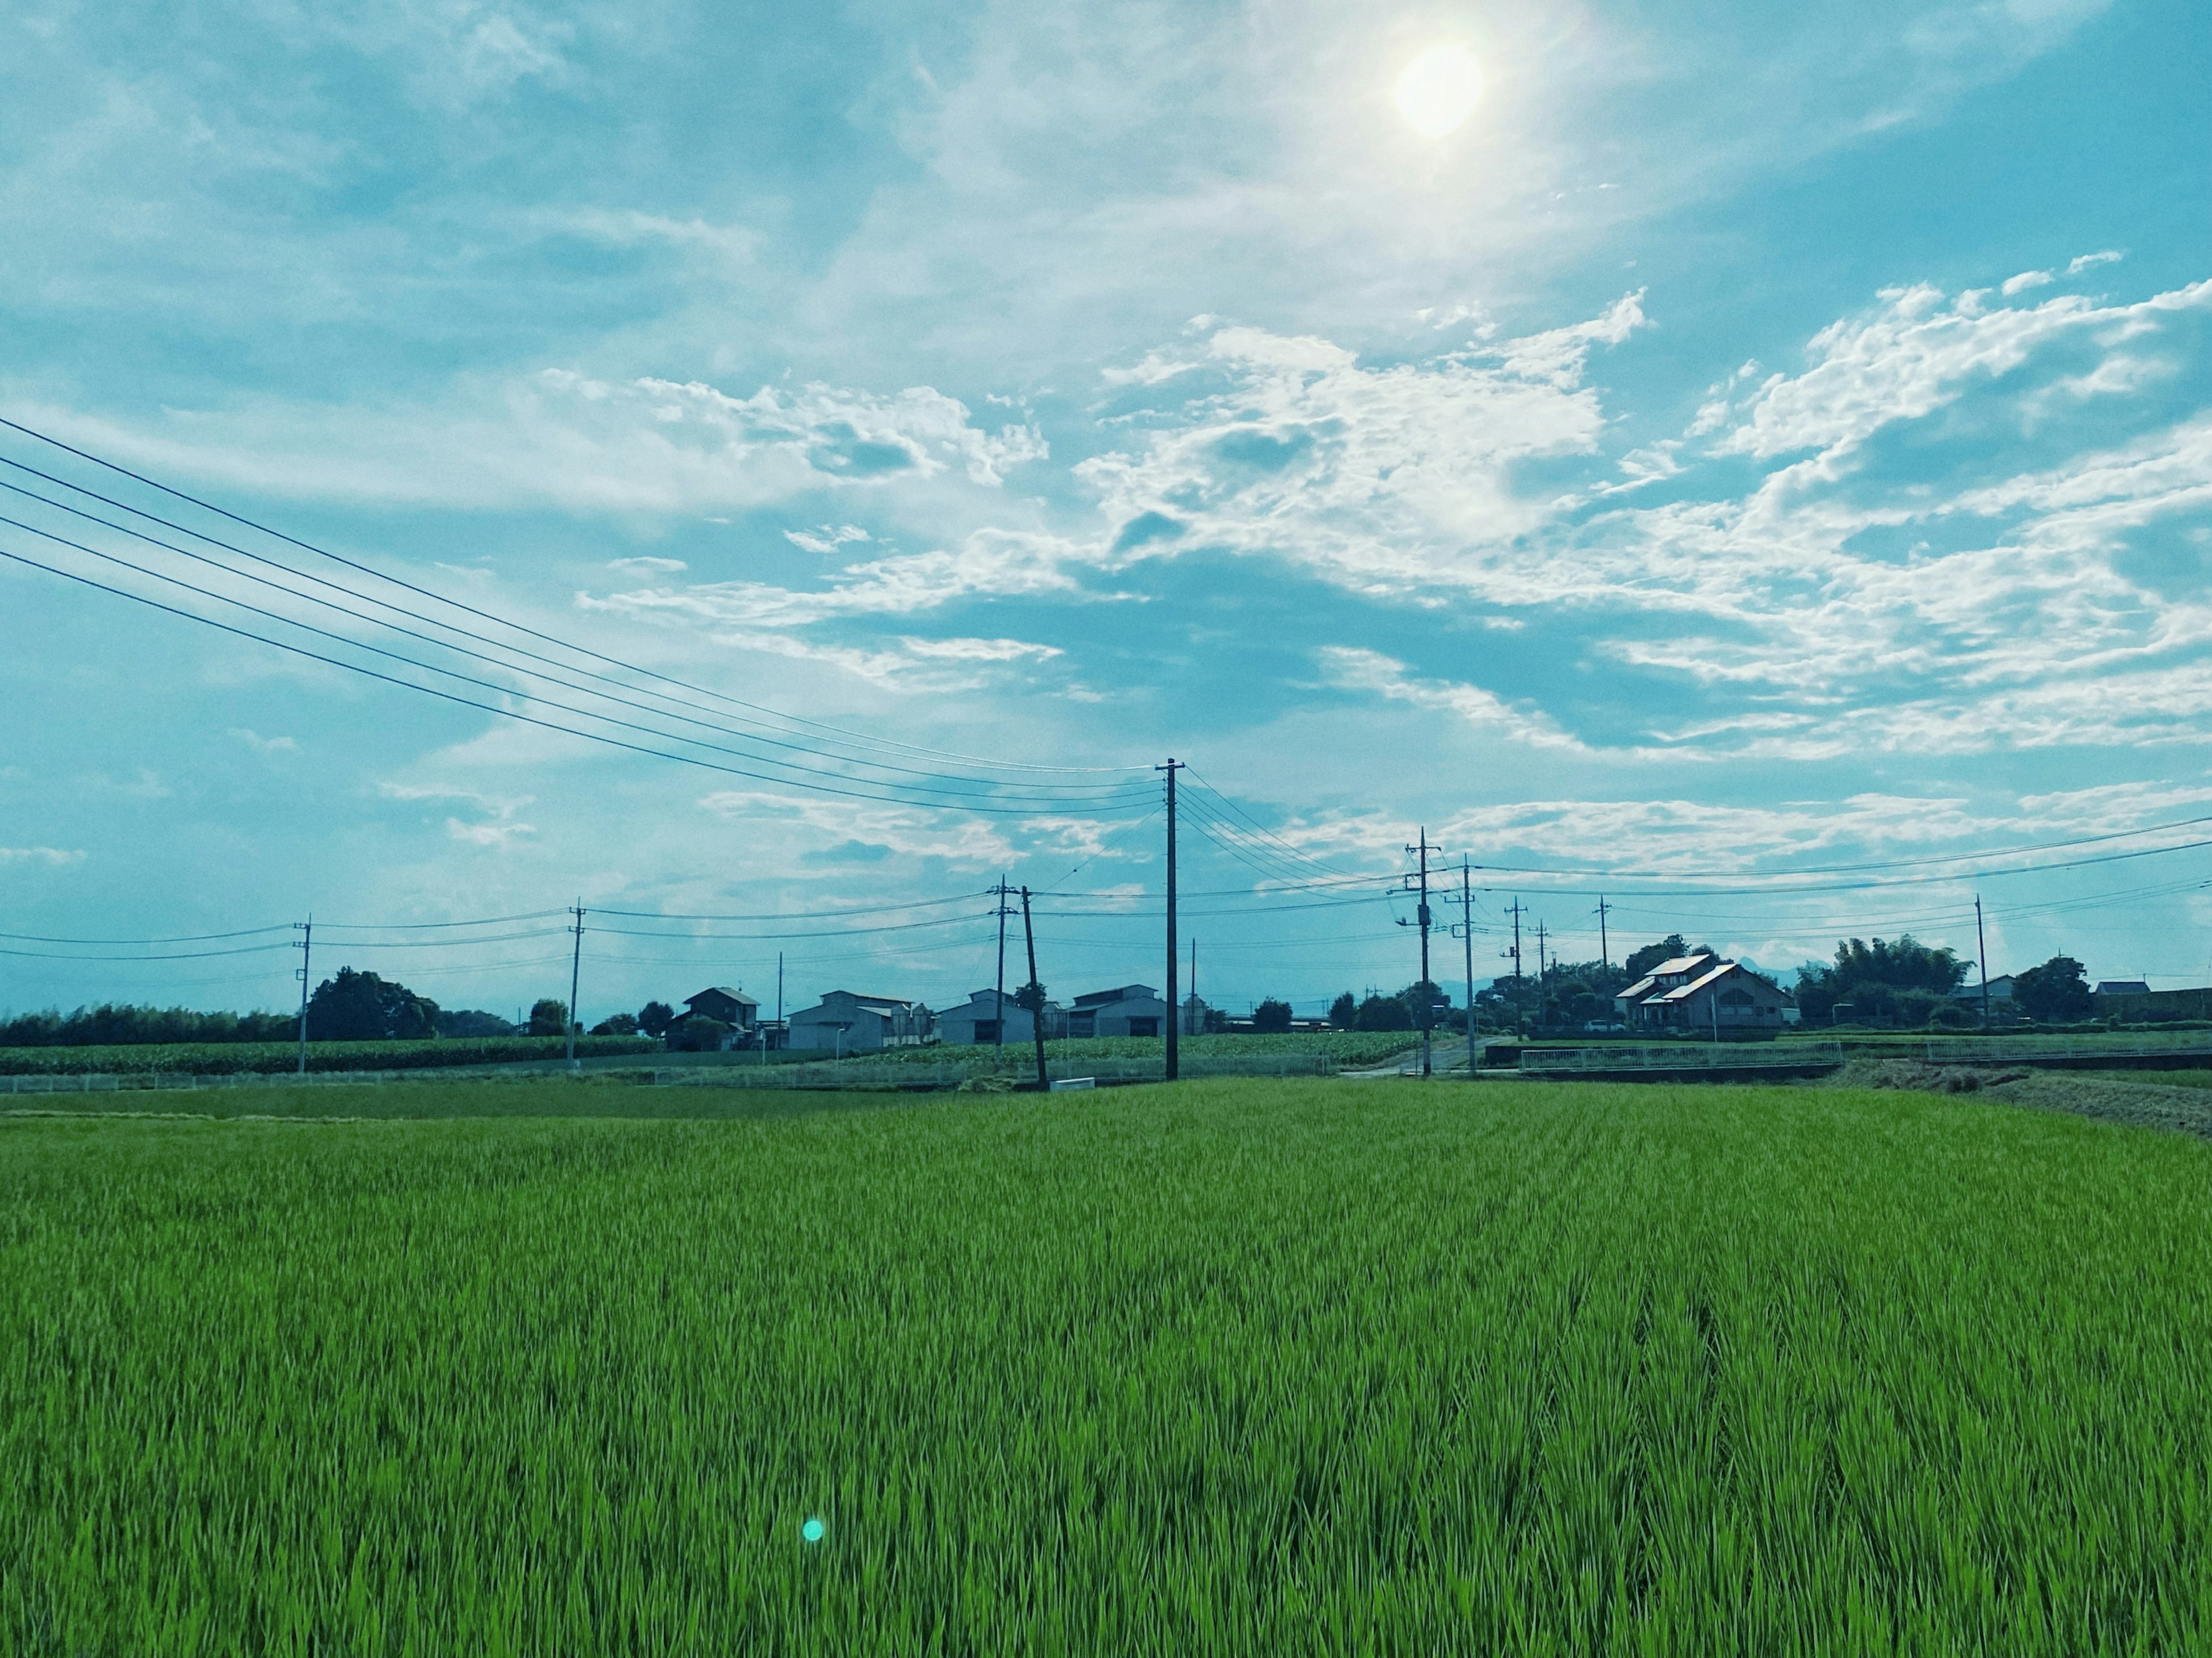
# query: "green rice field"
[1226,1367]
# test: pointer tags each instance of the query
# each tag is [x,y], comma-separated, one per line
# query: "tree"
[619,1025]
[1272,1017]
[1383,1013]
[654,1019]
[473,1021]
[1344,1011]
[549,1018]
[697,1034]
[1425,1002]
[2055,993]
[362,1007]
[1651,955]
[1905,979]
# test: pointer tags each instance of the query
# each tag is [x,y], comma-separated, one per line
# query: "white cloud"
[1384,479]
[996,563]
[53,856]
[935,666]
[2090,261]
[2025,280]
[261,744]
[497,837]
[908,831]
[1372,671]
[1912,357]
[648,566]
[827,539]
[644,445]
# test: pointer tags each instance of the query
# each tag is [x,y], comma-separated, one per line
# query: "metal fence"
[857,1074]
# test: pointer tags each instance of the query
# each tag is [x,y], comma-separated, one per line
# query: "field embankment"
[233,1059]
[1230,1367]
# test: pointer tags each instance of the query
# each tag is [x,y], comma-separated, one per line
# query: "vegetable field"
[1227,1367]
[228,1058]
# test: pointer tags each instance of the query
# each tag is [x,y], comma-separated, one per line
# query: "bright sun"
[1438,90]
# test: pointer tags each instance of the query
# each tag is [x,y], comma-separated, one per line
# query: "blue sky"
[1752,442]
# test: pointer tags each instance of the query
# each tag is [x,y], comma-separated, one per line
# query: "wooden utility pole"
[575,974]
[1466,926]
[307,930]
[1604,947]
[1982,949]
[998,1005]
[1427,1014]
[1174,1057]
[1036,992]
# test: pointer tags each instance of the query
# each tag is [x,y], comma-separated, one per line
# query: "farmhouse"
[1703,994]
[846,1021]
[730,1007]
[976,1020]
[1125,1011]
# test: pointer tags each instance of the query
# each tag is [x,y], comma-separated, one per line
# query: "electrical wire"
[507,713]
[308,547]
[991,789]
[1076,793]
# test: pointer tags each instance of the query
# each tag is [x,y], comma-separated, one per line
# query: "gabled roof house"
[1703,993]
[845,1020]
[1125,1011]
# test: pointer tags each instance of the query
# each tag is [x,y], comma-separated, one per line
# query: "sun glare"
[1438,90]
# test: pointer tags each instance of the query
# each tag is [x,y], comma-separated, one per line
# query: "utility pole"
[1982,949]
[1466,930]
[575,973]
[307,941]
[779,990]
[1520,1018]
[1174,1057]
[1193,1014]
[1428,1009]
[1604,951]
[998,1004]
[1036,990]
[1543,970]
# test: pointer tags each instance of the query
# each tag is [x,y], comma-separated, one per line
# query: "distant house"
[2000,990]
[847,1022]
[720,1019]
[731,1007]
[1703,994]
[2115,999]
[1125,1011]
[976,1020]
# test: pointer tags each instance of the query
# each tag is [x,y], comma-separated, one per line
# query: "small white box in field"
[1066,1083]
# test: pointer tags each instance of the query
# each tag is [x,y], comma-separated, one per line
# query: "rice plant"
[1228,1367]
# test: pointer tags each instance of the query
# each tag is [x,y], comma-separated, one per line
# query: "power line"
[1074,792]
[509,714]
[1127,794]
[500,621]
